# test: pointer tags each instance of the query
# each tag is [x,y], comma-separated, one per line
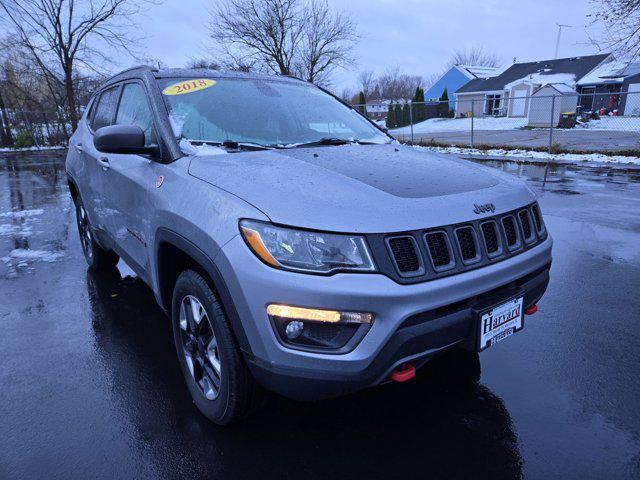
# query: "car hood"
[361,188]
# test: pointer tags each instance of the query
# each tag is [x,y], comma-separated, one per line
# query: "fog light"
[318,329]
[294,329]
[318,315]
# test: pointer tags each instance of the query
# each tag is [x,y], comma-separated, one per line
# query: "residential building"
[508,94]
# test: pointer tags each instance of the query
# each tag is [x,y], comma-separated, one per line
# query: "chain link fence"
[554,119]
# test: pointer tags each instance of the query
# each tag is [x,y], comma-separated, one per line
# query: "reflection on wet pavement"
[90,386]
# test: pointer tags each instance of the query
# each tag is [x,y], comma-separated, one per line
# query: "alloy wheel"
[200,347]
[85,232]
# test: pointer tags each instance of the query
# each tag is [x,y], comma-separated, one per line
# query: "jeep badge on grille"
[487,207]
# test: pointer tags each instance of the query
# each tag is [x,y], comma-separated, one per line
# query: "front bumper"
[411,321]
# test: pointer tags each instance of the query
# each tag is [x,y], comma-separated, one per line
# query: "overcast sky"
[419,36]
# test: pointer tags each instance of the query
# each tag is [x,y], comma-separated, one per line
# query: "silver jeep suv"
[296,246]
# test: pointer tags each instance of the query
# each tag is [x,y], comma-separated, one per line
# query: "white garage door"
[633,100]
[518,102]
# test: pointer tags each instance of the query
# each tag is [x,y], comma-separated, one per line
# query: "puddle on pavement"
[34,211]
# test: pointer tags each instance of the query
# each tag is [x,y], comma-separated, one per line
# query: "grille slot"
[491,239]
[511,232]
[468,244]
[537,218]
[404,251]
[439,250]
[525,223]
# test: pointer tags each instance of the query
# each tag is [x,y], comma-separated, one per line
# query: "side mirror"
[122,139]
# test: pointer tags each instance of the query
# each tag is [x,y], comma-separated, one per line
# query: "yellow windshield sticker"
[188,86]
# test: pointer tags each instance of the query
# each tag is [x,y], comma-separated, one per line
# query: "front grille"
[525,222]
[426,254]
[467,244]
[439,251]
[403,250]
[490,236]
[510,232]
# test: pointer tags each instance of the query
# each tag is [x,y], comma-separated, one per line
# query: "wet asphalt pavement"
[90,385]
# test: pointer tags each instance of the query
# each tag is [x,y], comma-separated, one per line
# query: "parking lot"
[90,385]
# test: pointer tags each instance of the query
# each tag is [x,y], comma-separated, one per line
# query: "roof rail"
[136,67]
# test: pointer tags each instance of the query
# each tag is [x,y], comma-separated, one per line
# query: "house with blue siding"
[456,77]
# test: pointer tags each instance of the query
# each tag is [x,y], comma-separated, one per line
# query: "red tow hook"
[531,309]
[403,373]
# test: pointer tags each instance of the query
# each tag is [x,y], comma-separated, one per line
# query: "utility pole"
[560,27]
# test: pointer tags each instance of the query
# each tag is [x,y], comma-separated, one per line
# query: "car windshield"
[261,112]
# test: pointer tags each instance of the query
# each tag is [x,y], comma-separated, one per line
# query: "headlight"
[306,251]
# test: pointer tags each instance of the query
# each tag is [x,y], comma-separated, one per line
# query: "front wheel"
[97,258]
[217,378]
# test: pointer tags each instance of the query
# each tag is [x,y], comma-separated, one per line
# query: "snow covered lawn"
[524,155]
[463,124]
[621,124]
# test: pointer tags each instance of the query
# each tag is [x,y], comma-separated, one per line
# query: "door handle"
[79,147]
[104,162]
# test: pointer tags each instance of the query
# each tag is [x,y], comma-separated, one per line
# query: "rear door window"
[134,110]
[105,108]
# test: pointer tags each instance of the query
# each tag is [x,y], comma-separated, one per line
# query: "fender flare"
[164,235]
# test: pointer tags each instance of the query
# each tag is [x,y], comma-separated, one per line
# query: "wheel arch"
[73,188]
[175,254]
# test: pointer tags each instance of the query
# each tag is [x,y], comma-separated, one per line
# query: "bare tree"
[268,32]
[621,19]
[289,37]
[327,40]
[64,35]
[394,85]
[367,83]
[203,63]
[475,56]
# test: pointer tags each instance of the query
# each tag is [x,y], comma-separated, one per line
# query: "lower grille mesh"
[404,253]
[438,248]
[467,243]
[490,234]
[510,231]
[526,224]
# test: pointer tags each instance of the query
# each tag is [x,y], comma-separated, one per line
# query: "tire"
[217,378]
[97,258]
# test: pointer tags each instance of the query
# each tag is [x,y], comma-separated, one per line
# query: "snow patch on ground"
[463,124]
[19,230]
[27,254]
[620,124]
[23,213]
[31,149]
[524,155]
[612,123]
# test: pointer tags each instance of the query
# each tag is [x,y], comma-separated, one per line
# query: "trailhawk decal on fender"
[188,86]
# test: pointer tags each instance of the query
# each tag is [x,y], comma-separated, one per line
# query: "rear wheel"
[97,258]
[217,378]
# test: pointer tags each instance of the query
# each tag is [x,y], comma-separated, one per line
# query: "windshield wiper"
[233,145]
[331,141]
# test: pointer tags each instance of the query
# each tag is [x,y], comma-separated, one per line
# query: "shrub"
[24,139]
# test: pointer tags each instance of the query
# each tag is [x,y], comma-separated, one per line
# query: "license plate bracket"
[499,321]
